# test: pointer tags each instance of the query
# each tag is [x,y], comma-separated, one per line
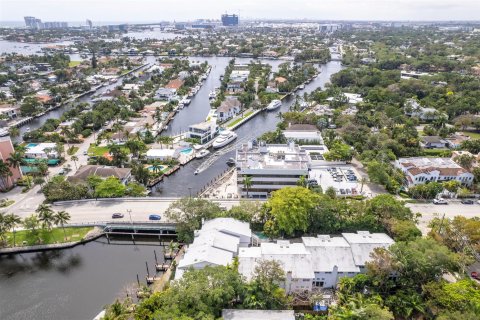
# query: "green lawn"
[473,135]
[72,150]
[47,237]
[239,119]
[98,151]
[437,152]
[72,64]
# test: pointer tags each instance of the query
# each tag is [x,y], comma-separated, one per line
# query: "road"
[430,211]
[92,211]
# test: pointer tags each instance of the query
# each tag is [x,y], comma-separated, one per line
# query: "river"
[73,284]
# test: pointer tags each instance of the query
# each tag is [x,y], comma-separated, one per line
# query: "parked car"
[117,215]
[154,217]
[61,172]
[475,275]
[85,153]
[467,201]
[440,201]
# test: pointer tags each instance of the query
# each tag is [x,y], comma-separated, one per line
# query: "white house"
[215,244]
[414,109]
[228,109]
[305,133]
[421,170]
[162,154]
[294,259]
[42,151]
[204,131]
[165,94]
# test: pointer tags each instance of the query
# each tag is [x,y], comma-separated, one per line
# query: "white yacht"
[185,101]
[202,154]
[274,104]
[212,95]
[224,138]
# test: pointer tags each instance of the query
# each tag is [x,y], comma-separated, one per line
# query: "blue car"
[154,217]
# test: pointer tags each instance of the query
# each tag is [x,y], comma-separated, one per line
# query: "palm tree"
[14,131]
[74,159]
[67,134]
[11,220]
[3,227]
[247,183]
[5,175]
[363,181]
[60,218]
[45,215]
[16,159]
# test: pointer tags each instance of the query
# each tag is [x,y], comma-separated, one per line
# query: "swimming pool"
[187,151]
[159,168]
[31,145]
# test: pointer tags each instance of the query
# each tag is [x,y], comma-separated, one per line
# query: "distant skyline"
[181,10]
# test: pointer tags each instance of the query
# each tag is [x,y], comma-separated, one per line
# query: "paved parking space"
[344,179]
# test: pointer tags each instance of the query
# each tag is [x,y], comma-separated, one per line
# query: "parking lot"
[344,179]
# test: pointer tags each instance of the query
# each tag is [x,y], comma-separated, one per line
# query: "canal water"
[73,284]
[183,181]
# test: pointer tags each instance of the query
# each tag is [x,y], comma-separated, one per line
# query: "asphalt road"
[94,211]
[430,211]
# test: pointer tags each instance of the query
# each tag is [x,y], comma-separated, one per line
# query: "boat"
[301,87]
[231,162]
[212,95]
[28,129]
[113,80]
[180,106]
[224,138]
[185,101]
[202,154]
[274,104]
[196,172]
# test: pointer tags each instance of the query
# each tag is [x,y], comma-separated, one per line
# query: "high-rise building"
[6,149]
[230,20]
[89,24]
[34,23]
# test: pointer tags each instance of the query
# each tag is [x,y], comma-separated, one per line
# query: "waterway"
[184,181]
[73,284]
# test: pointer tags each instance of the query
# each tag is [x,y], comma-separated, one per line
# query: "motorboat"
[202,154]
[28,129]
[224,138]
[180,106]
[185,101]
[301,87]
[196,172]
[274,105]
[231,162]
[212,95]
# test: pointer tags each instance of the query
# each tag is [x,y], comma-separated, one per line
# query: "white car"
[440,201]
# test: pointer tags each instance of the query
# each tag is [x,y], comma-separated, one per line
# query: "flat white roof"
[235,314]
[217,240]
[160,152]
[228,225]
[363,243]
[205,254]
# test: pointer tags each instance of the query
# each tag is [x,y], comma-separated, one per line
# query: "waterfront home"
[175,84]
[122,174]
[234,87]
[165,94]
[228,109]
[270,166]
[204,131]
[421,170]
[215,244]
[41,151]
[9,111]
[6,150]
[162,154]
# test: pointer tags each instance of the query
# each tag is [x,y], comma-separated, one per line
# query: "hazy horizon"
[188,10]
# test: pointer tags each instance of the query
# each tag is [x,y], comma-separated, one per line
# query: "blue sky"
[156,10]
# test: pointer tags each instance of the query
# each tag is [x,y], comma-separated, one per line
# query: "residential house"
[41,151]
[433,142]
[228,109]
[421,170]
[9,111]
[165,94]
[234,87]
[242,314]
[414,109]
[456,140]
[122,174]
[215,244]
[162,154]
[175,84]
[204,131]
[304,133]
